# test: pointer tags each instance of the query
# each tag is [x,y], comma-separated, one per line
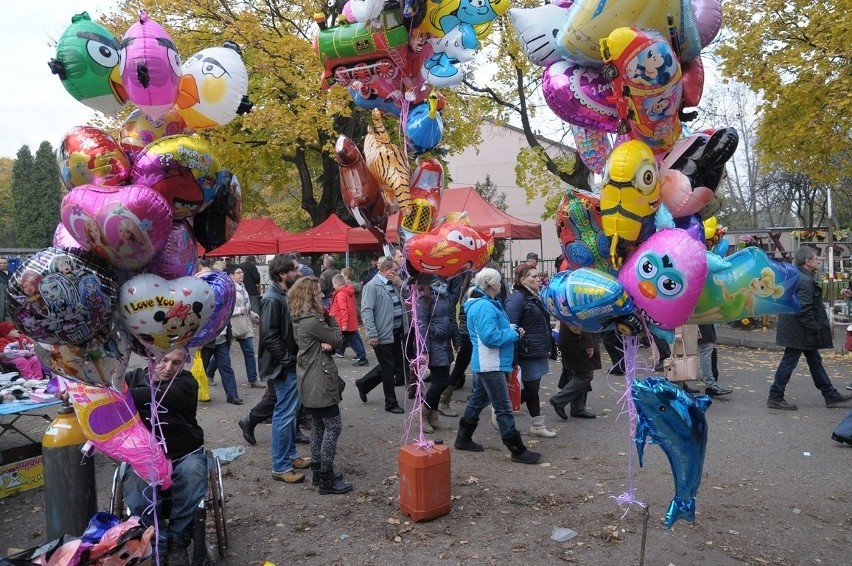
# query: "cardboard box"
[22,469]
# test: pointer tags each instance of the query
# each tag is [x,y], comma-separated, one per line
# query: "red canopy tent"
[253,236]
[483,216]
[332,235]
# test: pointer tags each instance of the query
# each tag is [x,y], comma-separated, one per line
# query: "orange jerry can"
[424,481]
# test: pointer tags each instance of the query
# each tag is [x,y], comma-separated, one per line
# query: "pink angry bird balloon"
[150,67]
[665,276]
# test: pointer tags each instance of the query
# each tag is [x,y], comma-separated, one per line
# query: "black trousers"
[462,361]
[264,407]
[389,356]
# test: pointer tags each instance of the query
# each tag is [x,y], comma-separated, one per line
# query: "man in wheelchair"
[176,394]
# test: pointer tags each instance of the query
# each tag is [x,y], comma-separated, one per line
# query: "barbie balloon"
[182,169]
[665,276]
[179,255]
[224,291]
[579,95]
[139,130]
[150,67]
[61,296]
[218,223]
[214,87]
[163,314]
[646,78]
[448,250]
[87,155]
[125,226]
[86,63]
[62,239]
[111,422]
[753,285]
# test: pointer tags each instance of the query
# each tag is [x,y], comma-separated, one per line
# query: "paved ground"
[775,487]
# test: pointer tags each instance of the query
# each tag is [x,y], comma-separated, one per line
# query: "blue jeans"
[284,423]
[490,388]
[705,358]
[785,370]
[247,346]
[353,338]
[189,486]
[220,358]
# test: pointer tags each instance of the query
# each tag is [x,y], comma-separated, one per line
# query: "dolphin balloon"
[674,420]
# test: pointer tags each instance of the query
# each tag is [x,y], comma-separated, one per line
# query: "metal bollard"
[70,497]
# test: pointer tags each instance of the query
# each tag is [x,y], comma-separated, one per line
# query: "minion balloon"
[630,196]
[214,86]
[86,63]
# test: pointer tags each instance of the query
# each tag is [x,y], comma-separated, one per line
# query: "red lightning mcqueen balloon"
[449,249]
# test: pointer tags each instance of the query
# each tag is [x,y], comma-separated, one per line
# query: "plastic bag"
[514,383]
[201,377]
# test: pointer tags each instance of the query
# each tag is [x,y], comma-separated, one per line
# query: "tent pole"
[511,261]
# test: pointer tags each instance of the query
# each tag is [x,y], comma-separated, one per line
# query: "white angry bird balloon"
[214,87]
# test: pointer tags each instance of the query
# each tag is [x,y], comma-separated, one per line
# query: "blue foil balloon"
[424,127]
[674,420]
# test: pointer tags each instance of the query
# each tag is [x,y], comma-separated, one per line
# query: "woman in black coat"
[526,310]
[436,327]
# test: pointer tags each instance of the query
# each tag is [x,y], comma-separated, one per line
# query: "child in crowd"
[19,351]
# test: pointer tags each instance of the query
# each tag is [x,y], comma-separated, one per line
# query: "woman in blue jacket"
[526,310]
[493,343]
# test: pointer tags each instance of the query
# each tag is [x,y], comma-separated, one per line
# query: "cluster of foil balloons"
[119,276]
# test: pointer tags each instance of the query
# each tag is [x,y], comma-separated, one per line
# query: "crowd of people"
[474,321]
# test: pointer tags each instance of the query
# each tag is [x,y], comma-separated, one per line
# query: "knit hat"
[6,327]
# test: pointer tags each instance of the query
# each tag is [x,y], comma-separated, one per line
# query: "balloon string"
[418,366]
[630,349]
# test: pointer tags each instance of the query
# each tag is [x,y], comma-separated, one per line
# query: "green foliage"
[36,196]
[798,55]
[7,225]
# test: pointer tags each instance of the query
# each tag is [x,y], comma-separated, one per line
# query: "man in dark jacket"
[805,333]
[325,280]
[176,392]
[251,279]
[277,362]
[581,356]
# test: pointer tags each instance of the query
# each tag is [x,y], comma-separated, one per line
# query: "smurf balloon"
[214,87]
[150,67]
[86,63]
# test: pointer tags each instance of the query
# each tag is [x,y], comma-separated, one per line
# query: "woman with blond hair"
[318,335]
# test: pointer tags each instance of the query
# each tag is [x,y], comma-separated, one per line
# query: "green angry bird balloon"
[86,63]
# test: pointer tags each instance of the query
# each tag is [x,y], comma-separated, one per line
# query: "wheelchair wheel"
[217,498]
[116,501]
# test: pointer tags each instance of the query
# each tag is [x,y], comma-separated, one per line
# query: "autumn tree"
[797,54]
[36,196]
[7,217]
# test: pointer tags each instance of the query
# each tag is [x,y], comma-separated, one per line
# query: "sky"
[34,106]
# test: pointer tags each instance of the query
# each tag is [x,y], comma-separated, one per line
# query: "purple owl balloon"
[665,276]
[150,67]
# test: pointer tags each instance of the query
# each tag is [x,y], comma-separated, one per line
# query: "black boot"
[519,452]
[464,439]
[315,474]
[329,484]
[247,425]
